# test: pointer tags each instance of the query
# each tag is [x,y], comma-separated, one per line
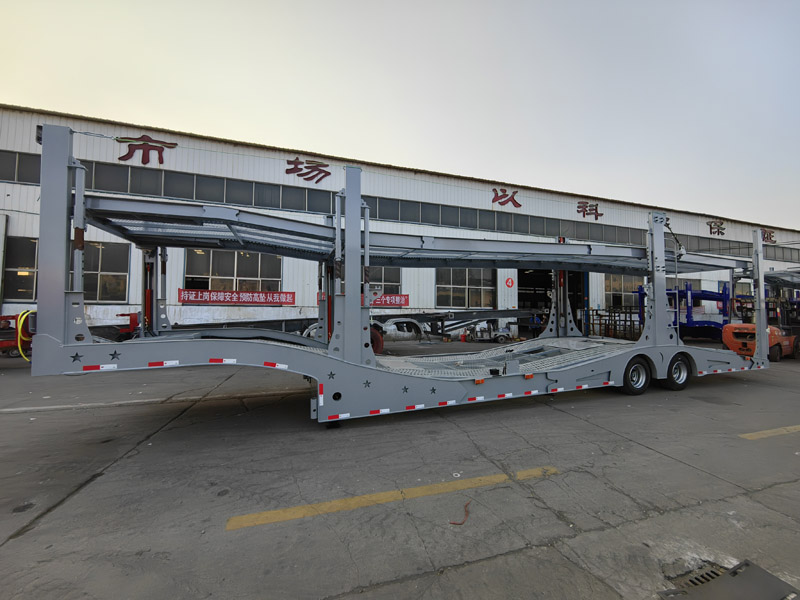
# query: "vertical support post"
[60,316]
[657,330]
[351,336]
[149,283]
[53,233]
[323,297]
[560,322]
[162,322]
[760,356]
[79,228]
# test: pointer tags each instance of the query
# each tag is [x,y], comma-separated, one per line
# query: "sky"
[683,104]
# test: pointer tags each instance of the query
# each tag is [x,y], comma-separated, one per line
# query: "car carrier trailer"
[351,381]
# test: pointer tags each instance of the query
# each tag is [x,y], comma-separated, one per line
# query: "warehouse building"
[229,285]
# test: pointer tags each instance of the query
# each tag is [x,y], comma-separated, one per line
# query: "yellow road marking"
[770,432]
[354,502]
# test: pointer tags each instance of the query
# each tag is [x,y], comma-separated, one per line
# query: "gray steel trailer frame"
[351,380]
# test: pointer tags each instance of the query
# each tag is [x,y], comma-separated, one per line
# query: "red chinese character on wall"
[312,170]
[503,197]
[147,145]
[716,227]
[589,208]
[768,236]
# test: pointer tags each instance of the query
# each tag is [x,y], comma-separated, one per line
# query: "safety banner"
[227,297]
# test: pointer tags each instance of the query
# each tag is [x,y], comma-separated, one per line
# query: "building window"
[621,290]
[232,270]
[110,178]
[145,181]
[385,279]
[105,271]
[465,288]
[29,167]
[19,276]
[8,165]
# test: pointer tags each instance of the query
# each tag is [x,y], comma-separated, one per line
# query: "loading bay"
[212,482]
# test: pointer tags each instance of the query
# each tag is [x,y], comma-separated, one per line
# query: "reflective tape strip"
[321,396]
[276,365]
[380,411]
[505,395]
[608,383]
[701,373]
[415,406]
[222,361]
[164,363]
[336,417]
[447,403]
[557,390]
[715,371]
[531,392]
[475,399]
[99,367]
[760,367]
[479,381]
[581,387]
[529,376]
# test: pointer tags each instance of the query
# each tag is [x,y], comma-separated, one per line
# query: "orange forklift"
[783,318]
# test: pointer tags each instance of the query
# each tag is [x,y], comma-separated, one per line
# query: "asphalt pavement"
[213,482]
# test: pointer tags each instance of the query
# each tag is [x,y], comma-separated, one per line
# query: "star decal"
[405,389]
[433,390]
[331,375]
[76,357]
[367,384]
[114,355]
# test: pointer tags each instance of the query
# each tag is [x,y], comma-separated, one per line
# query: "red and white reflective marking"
[737,369]
[475,399]
[321,396]
[557,390]
[582,387]
[380,411]
[608,383]
[531,392]
[337,417]
[99,367]
[509,395]
[447,403]
[760,367]
[164,363]
[222,361]
[415,406]
[275,365]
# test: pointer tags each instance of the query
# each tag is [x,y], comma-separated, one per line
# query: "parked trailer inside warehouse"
[351,380]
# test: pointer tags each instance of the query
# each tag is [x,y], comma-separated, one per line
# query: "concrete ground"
[213,482]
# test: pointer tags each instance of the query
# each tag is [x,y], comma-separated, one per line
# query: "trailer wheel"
[796,348]
[775,354]
[678,373]
[637,377]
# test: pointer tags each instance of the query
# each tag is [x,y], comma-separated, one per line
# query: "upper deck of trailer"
[151,223]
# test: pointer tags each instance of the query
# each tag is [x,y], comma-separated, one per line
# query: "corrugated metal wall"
[251,163]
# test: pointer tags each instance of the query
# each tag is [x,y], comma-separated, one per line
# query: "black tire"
[796,348]
[636,379]
[501,339]
[775,354]
[678,373]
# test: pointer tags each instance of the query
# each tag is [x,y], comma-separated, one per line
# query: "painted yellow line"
[352,503]
[770,432]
